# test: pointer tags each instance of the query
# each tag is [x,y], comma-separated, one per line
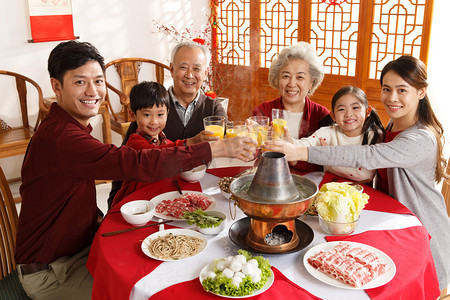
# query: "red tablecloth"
[416,276]
[282,289]
[116,264]
[113,256]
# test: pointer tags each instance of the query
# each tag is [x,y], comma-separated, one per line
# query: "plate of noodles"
[174,244]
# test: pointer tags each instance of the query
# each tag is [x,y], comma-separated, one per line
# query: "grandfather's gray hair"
[302,51]
[191,44]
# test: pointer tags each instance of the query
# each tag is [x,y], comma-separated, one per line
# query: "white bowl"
[195,174]
[337,228]
[225,194]
[138,212]
[214,230]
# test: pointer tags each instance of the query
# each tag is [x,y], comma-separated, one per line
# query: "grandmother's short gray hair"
[191,44]
[302,51]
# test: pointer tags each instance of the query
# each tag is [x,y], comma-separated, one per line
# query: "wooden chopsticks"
[134,228]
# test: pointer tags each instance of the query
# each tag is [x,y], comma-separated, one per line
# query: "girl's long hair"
[414,72]
[372,122]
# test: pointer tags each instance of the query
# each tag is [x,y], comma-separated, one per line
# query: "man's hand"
[241,147]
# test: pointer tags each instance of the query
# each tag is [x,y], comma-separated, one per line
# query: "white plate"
[173,195]
[210,267]
[177,231]
[376,282]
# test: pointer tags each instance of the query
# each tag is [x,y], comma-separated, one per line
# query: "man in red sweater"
[59,215]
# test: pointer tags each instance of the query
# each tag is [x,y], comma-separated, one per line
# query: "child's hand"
[292,152]
[204,136]
[322,142]
[287,135]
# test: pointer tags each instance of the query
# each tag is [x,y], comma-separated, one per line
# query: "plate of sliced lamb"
[349,265]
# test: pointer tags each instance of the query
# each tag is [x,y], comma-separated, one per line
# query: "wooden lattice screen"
[354,39]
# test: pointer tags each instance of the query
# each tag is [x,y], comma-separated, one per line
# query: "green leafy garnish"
[202,219]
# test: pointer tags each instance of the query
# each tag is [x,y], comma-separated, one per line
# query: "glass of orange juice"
[215,124]
[279,120]
[259,125]
[235,128]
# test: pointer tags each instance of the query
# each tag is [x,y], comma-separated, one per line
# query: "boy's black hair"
[147,94]
[71,55]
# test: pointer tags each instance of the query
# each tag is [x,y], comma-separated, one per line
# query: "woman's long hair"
[414,72]
[372,123]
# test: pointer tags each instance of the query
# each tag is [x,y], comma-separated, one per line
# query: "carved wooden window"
[354,39]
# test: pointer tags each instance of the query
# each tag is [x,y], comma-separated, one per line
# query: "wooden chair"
[10,287]
[128,70]
[446,190]
[15,141]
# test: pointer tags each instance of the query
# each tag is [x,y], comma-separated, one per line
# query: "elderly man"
[59,213]
[188,105]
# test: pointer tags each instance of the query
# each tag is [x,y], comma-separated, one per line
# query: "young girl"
[355,124]
[411,154]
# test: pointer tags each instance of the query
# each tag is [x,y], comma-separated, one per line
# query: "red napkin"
[416,273]
[227,172]
[117,262]
[378,200]
[282,289]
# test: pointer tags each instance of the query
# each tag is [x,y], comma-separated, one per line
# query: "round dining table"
[122,271]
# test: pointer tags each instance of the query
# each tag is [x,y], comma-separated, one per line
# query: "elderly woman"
[296,73]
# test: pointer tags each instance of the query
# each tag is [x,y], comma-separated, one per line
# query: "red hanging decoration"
[334,2]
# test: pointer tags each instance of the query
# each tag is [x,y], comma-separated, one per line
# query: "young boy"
[149,103]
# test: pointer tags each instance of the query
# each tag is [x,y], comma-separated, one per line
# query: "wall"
[125,28]
[118,28]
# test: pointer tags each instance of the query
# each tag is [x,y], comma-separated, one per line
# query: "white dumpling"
[256,278]
[211,274]
[222,265]
[257,271]
[247,269]
[235,265]
[228,273]
[236,280]
[253,262]
[239,274]
[241,258]
[229,258]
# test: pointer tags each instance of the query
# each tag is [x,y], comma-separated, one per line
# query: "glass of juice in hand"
[279,120]
[235,128]
[215,124]
[259,125]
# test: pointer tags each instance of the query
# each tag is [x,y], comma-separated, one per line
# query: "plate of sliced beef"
[172,205]
[349,265]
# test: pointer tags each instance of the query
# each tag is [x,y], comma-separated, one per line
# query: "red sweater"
[312,114]
[138,142]
[58,216]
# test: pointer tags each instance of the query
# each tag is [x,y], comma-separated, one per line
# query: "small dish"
[225,194]
[217,229]
[195,174]
[138,212]
[337,228]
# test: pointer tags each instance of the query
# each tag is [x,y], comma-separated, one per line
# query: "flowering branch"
[215,77]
